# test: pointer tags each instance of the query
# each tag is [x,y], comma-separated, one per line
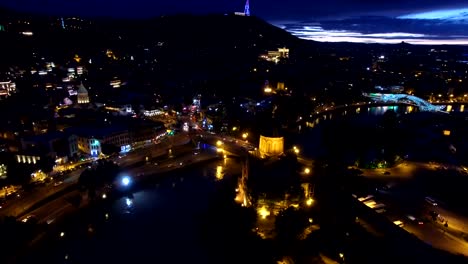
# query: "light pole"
[244,136]
[296,150]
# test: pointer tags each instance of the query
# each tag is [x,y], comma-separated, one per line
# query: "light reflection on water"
[353,111]
[161,224]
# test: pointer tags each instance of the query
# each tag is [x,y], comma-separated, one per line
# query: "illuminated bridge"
[423,105]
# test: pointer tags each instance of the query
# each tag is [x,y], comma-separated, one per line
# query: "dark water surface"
[160,224]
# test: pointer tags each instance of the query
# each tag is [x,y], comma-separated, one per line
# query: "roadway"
[413,211]
[159,162]
[22,204]
[406,171]
[435,236]
[431,233]
[53,210]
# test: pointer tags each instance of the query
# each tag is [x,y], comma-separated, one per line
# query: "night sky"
[384,21]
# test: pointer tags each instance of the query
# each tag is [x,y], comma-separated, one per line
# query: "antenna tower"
[247,8]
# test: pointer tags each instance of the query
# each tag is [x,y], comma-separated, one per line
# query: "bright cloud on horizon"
[436,27]
[446,14]
[318,33]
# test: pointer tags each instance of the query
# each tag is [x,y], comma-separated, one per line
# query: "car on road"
[430,200]
[398,223]
[58,183]
[415,220]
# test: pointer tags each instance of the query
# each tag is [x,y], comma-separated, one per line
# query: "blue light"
[423,105]
[129,202]
[451,14]
[126,181]
[125,149]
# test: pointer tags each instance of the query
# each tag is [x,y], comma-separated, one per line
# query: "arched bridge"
[422,104]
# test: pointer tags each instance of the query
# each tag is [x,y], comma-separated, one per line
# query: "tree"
[275,179]
[227,223]
[104,171]
[109,149]
[46,164]
[334,200]
[289,224]
[19,173]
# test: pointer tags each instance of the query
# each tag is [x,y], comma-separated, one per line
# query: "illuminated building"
[27,159]
[271,146]
[72,23]
[115,83]
[123,110]
[196,103]
[391,89]
[83,97]
[280,53]
[154,112]
[280,86]
[276,55]
[91,139]
[90,146]
[7,88]
[271,143]
[53,144]
[3,171]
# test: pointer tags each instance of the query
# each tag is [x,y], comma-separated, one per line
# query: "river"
[159,223]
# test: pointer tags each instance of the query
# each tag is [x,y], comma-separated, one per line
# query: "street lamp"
[245,135]
[296,150]
[306,170]
[126,181]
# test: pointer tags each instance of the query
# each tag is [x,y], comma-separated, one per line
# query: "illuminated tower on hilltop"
[247,8]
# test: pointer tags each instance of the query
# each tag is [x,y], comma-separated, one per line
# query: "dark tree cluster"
[275,179]
[99,174]
[228,230]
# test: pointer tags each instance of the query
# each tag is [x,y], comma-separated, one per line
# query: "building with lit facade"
[7,88]
[53,144]
[82,95]
[271,146]
[91,139]
[276,55]
[271,143]
[27,158]
[90,146]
